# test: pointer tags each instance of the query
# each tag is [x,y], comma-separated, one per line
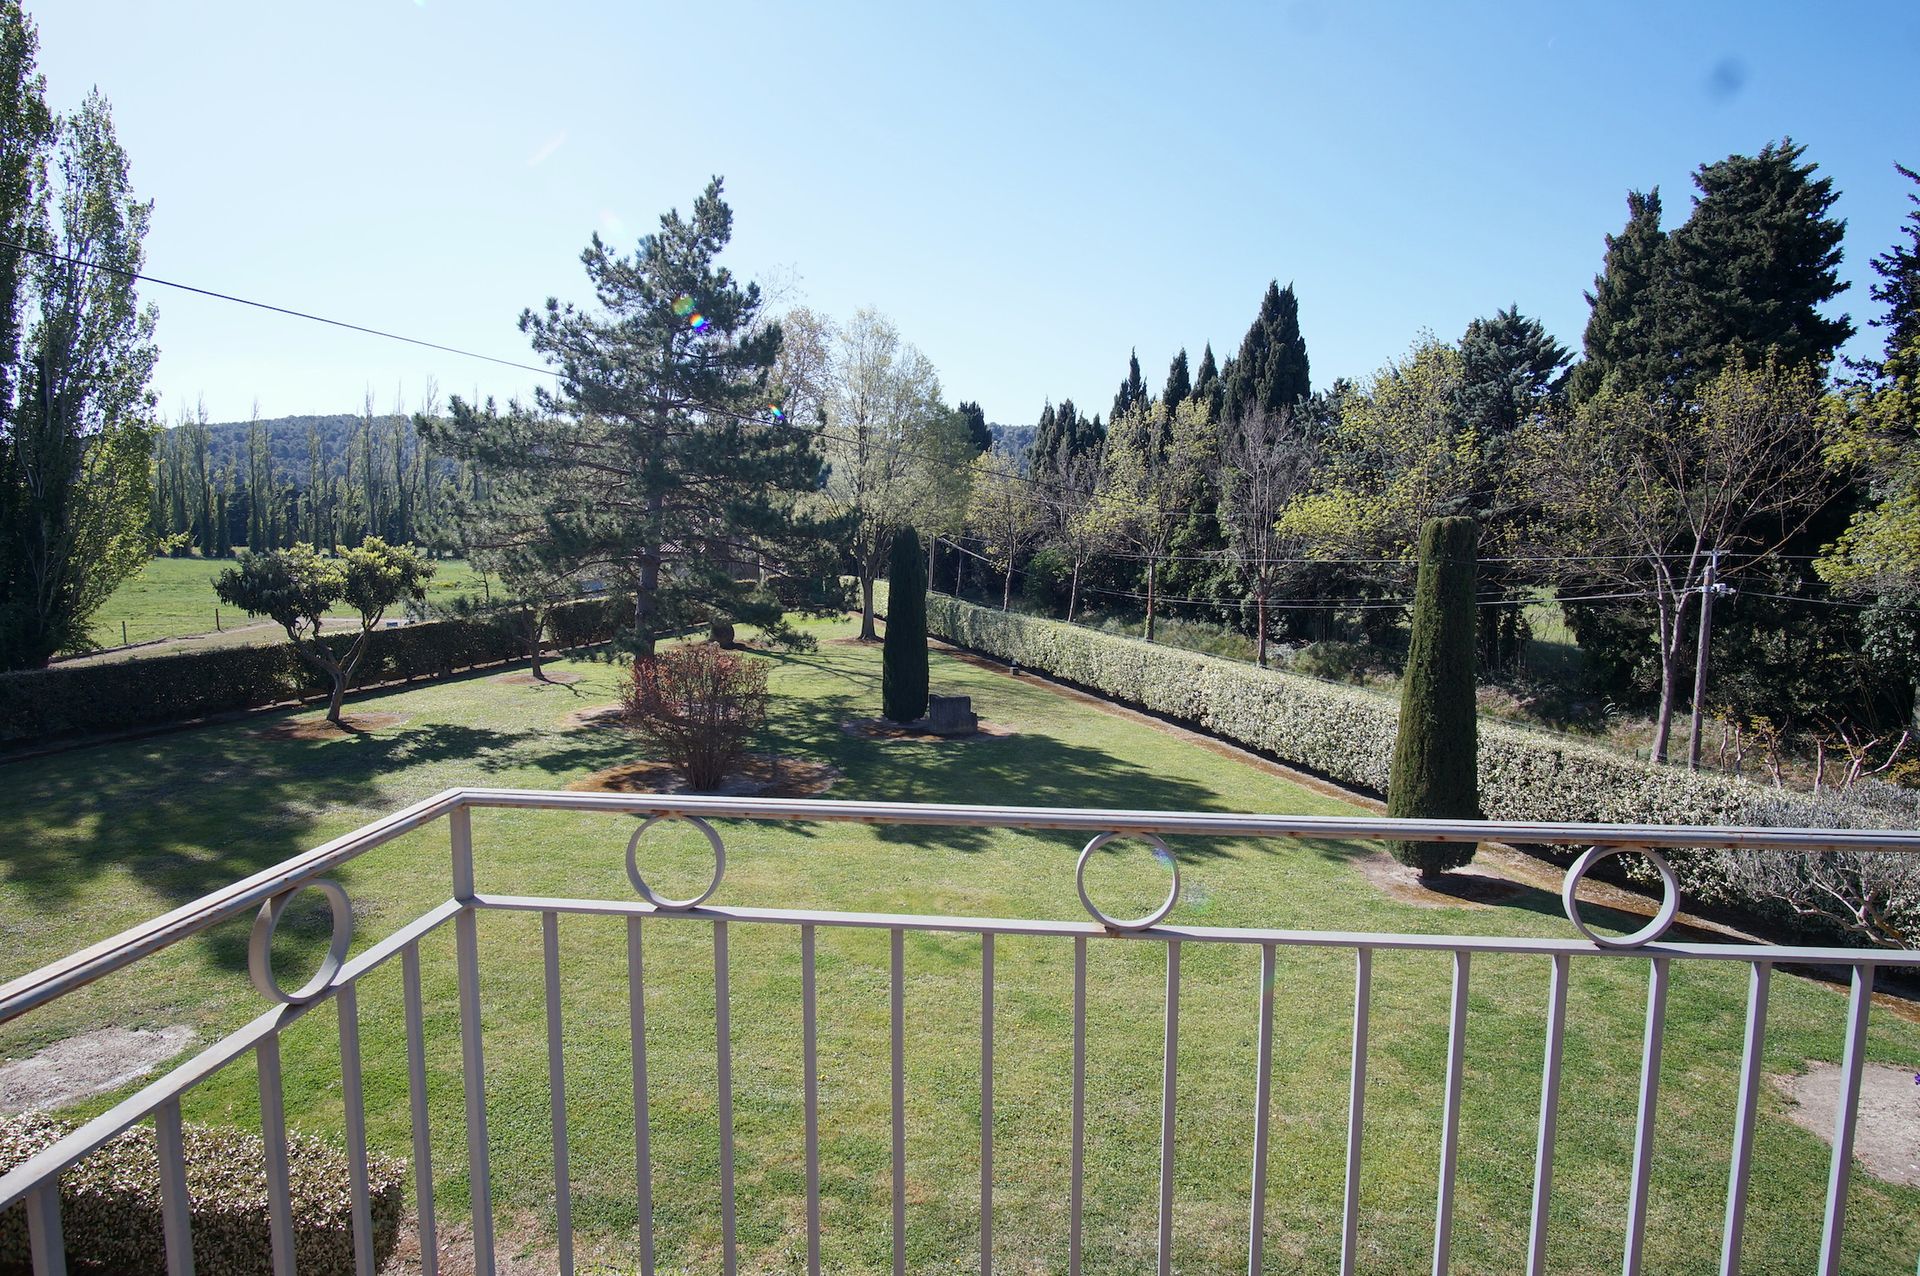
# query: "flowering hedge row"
[110,1202]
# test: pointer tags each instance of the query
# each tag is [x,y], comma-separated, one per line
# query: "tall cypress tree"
[1899,290]
[903,659]
[1179,382]
[1271,371]
[1133,390]
[977,430]
[1436,752]
[1622,336]
[1206,382]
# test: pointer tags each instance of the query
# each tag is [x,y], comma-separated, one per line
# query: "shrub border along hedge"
[110,1201]
[92,699]
[1346,734]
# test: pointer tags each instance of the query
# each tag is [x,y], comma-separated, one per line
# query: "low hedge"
[1347,733]
[110,1203]
[88,699]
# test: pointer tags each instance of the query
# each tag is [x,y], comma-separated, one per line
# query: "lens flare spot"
[697,322]
[682,306]
[774,410]
[1198,898]
[1165,860]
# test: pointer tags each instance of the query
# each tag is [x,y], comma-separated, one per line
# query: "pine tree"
[1622,336]
[1436,752]
[655,462]
[1179,383]
[903,668]
[1271,371]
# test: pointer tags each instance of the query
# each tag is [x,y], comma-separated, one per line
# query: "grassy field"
[100,839]
[173,598]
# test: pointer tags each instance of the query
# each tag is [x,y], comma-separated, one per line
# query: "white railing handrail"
[23,993]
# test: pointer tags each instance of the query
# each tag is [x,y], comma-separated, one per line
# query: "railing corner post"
[460,825]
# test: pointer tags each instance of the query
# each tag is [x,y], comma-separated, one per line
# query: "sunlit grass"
[102,838]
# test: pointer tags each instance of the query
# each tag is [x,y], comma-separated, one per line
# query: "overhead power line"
[278,310]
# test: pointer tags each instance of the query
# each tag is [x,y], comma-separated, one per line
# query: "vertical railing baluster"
[1075,1187]
[1450,1115]
[1643,1123]
[466,945]
[273,1134]
[1167,1085]
[557,1092]
[176,1207]
[1356,1111]
[353,1102]
[642,1126]
[986,1105]
[1549,1116]
[1262,1096]
[896,998]
[1751,1067]
[1846,1112]
[46,1248]
[417,1097]
[809,1044]
[723,1045]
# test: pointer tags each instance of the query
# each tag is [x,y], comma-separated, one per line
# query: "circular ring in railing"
[1160,852]
[1669,896]
[260,943]
[647,892]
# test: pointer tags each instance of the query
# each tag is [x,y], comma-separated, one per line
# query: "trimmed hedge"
[39,704]
[1347,735]
[110,1202]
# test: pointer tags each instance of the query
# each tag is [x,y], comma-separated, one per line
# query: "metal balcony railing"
[37,1180]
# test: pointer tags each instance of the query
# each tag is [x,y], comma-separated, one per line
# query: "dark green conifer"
[1206,382]
[903,667]
[1133,390]
[1179,382]
[1271,371]
[1436,753]
[1622,334]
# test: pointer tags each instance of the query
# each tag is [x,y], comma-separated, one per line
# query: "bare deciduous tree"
[1265,463]
[1654,489]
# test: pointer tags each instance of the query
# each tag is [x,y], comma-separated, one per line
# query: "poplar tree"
[77,423]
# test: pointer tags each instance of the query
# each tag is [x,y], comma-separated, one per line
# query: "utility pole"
[1709,586]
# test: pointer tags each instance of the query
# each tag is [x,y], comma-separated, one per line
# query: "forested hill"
[291,441]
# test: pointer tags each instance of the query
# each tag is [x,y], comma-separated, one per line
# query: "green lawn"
[102,838]
[173,598]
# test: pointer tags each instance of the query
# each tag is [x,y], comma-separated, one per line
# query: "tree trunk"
[1073,592]
[339,694]
[1153,568]
[1260,622]
[867,631]
[537,622]
[1668,637]
[1700,666]
[1006,589]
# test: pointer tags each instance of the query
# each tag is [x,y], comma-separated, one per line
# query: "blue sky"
[1028,190]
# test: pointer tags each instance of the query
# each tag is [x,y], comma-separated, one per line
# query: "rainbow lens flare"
[682,306]
[774,410]
[698,321]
